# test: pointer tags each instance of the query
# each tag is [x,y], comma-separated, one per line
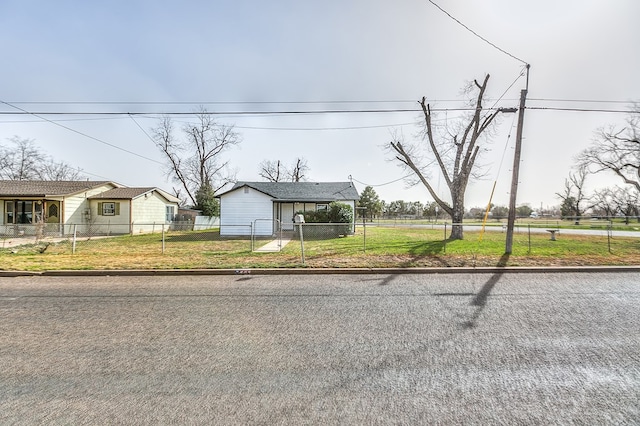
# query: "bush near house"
[338,219]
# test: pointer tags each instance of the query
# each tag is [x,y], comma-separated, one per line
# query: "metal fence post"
[163,238]
[444,246]
[364,233]
[73,242]
[301,243]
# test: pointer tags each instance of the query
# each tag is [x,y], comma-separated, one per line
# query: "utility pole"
[511,219]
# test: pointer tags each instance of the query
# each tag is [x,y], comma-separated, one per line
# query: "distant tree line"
[607,202]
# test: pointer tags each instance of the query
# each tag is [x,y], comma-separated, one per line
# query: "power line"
[289,102]
[475,33]
[143,130]
[22,111]
[283,102]
[59,120]
[584,110]
[603,101]
[183,113]
[381,184]
[326,128]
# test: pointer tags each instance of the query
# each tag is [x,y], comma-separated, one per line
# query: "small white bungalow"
[96,206]
[264,206]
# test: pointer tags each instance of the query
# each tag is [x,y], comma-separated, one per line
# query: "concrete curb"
[317,271]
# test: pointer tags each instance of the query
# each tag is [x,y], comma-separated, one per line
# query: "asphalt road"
[512,348]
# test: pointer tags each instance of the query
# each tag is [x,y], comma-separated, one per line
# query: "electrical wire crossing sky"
[329,82]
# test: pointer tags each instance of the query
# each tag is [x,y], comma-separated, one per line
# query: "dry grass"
[385,247]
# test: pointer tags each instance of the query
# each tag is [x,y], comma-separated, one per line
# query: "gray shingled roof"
[304,191]
[44,188]
[121,193]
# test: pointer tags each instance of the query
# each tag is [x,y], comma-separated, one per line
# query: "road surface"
[512,348]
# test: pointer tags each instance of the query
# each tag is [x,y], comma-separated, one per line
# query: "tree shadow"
[431,250]
[479,301]
[194,236]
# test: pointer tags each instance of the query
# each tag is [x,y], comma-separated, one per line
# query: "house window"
[170,213]
[25,212]
[108,209]
[320,207]
[9,212]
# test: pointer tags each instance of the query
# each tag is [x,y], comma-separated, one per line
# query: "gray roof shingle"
[304,191]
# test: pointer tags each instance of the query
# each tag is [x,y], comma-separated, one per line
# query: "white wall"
[239,209]
[205,222]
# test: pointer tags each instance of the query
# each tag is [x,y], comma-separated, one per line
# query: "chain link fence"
[158,237]
[331,245]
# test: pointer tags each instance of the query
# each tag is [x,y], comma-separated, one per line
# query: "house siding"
[137,209]
[239,210]
[76,205]
[116,224]
[148,209]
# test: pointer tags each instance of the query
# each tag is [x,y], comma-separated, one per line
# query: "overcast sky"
[377,54]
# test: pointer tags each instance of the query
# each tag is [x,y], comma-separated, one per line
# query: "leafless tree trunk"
[270,170]
[627,202]
[274,171]
[574,192]
[196,161]
[603,201]
[455,155]
[298,170]
[617,150]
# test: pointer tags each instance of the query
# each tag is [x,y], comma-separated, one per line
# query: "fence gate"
[263,241]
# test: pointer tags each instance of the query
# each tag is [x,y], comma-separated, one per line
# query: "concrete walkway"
[277,244]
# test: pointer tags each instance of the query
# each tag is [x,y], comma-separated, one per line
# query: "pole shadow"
[479,301]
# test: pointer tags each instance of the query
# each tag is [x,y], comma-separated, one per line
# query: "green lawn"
[383,247]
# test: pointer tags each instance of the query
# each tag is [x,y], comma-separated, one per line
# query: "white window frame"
[168,217]
[108,208]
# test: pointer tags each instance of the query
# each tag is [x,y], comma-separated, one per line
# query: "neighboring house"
[265,206]
[95,206]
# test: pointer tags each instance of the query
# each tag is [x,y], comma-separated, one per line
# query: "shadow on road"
[480,298]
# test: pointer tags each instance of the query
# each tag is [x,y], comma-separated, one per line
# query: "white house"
[264,206]
[95,206]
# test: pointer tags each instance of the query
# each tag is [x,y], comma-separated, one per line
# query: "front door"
[286,216]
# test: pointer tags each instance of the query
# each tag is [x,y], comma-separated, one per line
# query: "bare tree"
[603,202]
[574,195]
[275,171]
[23,160]
[455,153]
[627,201]
[195,162]
[271,170]
[59,170]
[297,173]
[617,150]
